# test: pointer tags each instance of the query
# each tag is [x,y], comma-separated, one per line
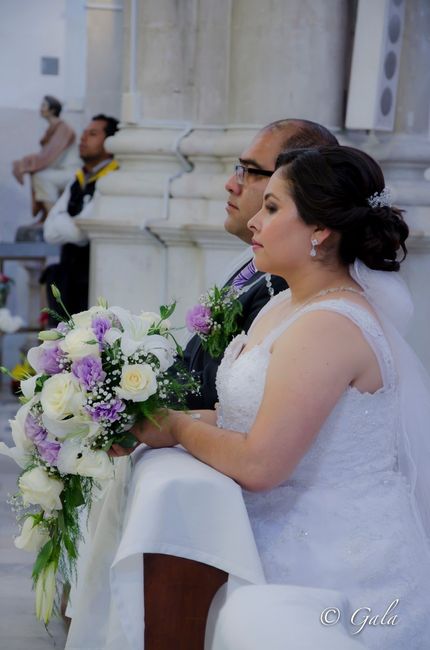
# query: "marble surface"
[19,628]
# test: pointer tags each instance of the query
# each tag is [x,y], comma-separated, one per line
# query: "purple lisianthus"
[100,325]
[198,319]
[63,328]
[33,430]
[106,410]
[48,450]
[88,371]
[50,360]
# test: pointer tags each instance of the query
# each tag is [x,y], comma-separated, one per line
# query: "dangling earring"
[314,243]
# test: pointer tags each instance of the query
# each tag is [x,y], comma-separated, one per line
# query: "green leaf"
[5,371]
[60,520]
[70,547]
[39,383]
[55,315]
[167,310]
[43,558]
[73,496]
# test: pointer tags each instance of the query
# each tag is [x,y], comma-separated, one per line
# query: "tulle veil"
[391,299]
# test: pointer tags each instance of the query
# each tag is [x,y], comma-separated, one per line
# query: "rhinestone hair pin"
[380,199]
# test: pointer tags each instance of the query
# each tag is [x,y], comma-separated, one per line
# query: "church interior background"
[191,81]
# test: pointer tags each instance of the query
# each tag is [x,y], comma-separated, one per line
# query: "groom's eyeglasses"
[241,171]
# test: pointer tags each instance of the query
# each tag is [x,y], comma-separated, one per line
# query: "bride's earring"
[314,243]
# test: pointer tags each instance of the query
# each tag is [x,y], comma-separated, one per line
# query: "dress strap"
[367,323]
[278,298]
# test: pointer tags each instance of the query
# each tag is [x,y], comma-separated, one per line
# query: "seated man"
[246,188]
[49,169]
[71,275]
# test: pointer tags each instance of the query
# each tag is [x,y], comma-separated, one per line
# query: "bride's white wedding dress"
[344,520]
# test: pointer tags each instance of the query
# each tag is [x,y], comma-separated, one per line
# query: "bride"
[320,416]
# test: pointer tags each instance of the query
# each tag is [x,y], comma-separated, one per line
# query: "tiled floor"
[19,629]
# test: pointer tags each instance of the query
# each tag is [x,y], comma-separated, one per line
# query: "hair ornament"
[380,199]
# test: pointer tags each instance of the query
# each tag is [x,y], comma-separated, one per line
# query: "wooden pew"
[178,593]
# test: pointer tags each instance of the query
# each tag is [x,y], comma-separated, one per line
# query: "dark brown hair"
[111,126]
[331,187]
[54,105]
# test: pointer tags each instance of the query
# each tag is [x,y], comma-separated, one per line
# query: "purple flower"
[100,325]
[33,430]
[106,410]
[89,371]
[50,359]
[49,450]
[63,328]
[198,319]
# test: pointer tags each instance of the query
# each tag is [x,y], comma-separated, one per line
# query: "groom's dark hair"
[305,134]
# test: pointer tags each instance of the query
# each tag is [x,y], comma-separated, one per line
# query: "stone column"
[200,78]
[404,156]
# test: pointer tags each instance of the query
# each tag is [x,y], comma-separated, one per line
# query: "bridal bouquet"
[214,319]
[96,373]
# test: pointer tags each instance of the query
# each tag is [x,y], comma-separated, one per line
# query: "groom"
[246,188]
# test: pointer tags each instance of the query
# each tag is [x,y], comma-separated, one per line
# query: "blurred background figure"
[51,167]
[71,275]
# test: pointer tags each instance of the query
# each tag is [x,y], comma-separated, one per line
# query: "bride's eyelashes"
[271,208]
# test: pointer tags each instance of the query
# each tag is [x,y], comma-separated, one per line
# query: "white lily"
[80,426]
[135,329]
[161,348]
[24,447]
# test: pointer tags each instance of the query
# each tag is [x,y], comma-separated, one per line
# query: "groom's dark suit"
[204,366]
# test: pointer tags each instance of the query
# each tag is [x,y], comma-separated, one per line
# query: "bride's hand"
[156,435]
[149,434]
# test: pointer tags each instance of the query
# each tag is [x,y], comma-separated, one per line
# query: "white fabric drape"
[390,297]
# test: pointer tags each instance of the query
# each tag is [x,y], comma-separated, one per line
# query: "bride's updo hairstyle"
[331,187]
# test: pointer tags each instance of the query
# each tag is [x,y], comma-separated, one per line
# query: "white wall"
[30,29]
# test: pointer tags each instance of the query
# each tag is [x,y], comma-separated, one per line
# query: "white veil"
[390,297]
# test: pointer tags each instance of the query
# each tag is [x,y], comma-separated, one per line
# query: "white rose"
[138,382]
[45,589]
[84,318]
[74,458]
[38,488]
[32,537]
[80,342]
[24,447]
[61,396]
[161,348]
